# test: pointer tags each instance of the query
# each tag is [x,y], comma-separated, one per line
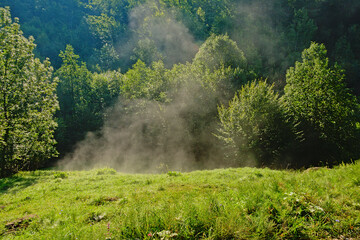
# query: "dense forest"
[138,84]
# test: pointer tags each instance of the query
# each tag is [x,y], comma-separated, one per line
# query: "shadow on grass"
[16,183]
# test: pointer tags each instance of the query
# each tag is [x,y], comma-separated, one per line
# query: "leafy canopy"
[253,126]
[323,110]
[220,50]
[28,101]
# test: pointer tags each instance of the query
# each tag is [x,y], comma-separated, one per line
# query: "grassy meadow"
[243,203]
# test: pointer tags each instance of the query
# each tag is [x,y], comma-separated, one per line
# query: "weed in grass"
[61,175]
[356,181]
[103,200]
[108,233]
[166,234]
[173,173]
[105,171]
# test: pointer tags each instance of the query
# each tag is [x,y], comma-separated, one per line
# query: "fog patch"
[158,25]
[260,34]
[142,136]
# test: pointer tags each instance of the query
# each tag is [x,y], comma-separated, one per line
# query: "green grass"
[244,203]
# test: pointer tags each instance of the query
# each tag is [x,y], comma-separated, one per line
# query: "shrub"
[253,126]
[61,175]
[105,171]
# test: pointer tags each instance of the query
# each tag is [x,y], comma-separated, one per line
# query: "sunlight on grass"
[244,203]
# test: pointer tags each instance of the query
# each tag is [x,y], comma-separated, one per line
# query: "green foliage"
[27,103]
[107,30]
[83,98]
[300,34]
[107,57]
[105,171]
[145,82]
[156,38]
[254,126]
[61,175]
[203,17]
[220,51]
[105,90]
[74,88]
[54,24]
[272,33]
[173,173]
[146,51]
[198,91]
[323,110]
[103,27]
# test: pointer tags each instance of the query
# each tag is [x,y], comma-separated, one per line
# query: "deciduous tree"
[323,110]
[254,126]
[27,101]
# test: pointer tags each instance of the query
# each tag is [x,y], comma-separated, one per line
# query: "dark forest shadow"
[16,183]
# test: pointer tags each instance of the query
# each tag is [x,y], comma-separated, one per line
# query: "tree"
[254,127]
[219,55]
[83,97]
[28,101]
[145,82]
[74,91]
[323,110]
[220,51]
[301,32]
[146,51]
[105,90]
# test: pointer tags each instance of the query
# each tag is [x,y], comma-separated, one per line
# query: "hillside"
[193,84]
[242,203]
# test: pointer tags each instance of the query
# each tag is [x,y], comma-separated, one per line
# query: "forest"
[139,85]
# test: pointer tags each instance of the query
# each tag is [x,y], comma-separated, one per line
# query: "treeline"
[114,34]
[211,99]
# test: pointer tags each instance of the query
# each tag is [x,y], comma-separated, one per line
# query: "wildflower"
[149,234]
[337,220]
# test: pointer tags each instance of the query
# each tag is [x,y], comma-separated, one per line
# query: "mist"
[143,136]
[156,34]
[261,37]
[147,136]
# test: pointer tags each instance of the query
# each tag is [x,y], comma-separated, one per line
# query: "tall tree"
[74,117]
[28,101]
[83,98]
[324,111]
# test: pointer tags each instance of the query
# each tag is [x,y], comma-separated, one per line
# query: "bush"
[61,175]
[105,171]
[253,126]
